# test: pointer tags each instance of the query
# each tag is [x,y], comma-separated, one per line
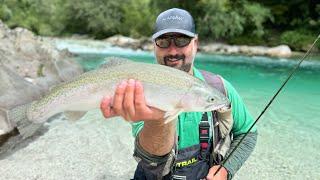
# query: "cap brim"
[188,33]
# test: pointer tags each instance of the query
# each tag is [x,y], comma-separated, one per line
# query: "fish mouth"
[215,107]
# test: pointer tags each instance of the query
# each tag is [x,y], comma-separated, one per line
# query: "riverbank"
[76,44]
[282,51]
[145,44]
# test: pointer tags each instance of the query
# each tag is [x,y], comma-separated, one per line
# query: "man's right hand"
[129,102]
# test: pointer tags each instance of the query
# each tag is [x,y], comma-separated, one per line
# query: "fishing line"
[269,103]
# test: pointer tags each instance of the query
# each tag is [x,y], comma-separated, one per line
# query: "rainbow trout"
[165,88]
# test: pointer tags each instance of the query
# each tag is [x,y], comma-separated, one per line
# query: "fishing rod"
[269,103]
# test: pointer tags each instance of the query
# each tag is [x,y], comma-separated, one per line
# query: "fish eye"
[211,99]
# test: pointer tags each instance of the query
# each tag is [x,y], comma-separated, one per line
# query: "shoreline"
[145,44]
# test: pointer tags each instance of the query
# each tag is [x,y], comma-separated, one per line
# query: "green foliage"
[250,40]
[256,15]
[219,21]
[137,19]
[5,12]
[42,17]
[253,22]
[228,19]
[298,40]
[99,18]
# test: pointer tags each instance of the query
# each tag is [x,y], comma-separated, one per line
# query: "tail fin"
[17,117]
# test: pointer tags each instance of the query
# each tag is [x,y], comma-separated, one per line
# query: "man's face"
[178,57]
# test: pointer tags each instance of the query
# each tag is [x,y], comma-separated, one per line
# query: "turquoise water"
[289,131]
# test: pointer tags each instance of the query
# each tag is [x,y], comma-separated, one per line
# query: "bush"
[230,19]
[39,16]
[256,15]
[298,40]
[138,19]
[96,17]
[219,21]
[5,12]
[250,40]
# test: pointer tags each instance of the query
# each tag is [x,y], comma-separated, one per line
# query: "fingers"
[128,103]
[221,174]
[118,99]
[141,106]
[105,107]
[211,174]
[139,100]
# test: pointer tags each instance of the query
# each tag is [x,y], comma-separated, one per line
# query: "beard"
[183,67]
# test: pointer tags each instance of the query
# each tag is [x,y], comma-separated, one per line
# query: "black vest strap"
[204,133]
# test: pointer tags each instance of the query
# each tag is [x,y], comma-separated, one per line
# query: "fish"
[166,88]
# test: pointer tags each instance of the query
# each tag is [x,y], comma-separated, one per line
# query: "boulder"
[14,91]
[29,67]
[122,41]
[280,51]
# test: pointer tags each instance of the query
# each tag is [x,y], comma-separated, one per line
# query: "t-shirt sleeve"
[136,127]
[242,119]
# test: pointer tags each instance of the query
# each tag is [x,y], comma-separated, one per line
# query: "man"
[182,149]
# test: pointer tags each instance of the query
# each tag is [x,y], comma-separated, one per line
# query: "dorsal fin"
[114,61]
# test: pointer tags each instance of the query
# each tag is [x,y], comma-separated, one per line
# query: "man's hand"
[221,175]
[129,102]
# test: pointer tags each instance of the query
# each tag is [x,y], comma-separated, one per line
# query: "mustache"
[178,57]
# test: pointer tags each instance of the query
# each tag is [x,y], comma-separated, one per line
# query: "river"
[289,131]
[92,148]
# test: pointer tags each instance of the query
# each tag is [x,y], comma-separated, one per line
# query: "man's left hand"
[221,175]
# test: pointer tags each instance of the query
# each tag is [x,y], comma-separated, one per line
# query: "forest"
[250,22]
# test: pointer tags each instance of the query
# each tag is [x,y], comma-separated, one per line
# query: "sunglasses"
[179,41]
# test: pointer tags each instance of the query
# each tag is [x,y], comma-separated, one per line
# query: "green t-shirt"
[187,126]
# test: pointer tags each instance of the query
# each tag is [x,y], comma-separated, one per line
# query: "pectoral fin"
[74,115]
[171,115]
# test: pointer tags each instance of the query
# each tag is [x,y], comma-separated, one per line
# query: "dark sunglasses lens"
[182,41]
[163,42]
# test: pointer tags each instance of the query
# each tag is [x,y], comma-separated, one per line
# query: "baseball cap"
[174,20]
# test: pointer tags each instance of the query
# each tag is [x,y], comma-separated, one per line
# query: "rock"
[29,67]
[127,42]
[147,47]
[233,50]
[123,41]
[80,36]
[146,44]
[259,50]
[1,33]
[14,91]
[3,29]
[209,48]
[280,51]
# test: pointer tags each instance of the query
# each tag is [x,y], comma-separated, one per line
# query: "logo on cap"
[180,18]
